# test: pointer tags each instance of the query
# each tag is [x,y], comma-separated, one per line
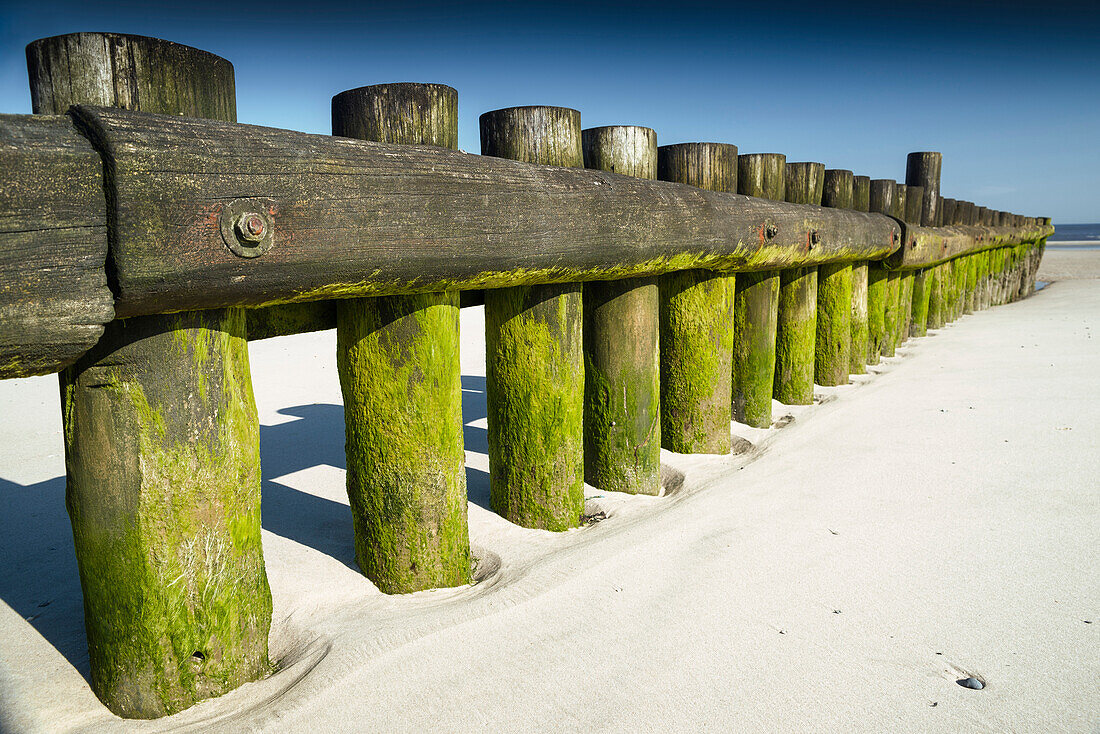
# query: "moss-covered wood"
[622,386]
[921,289]
[890,313]
[934,278]
[696,320]
[161,438]
[755,313]
[876,312]
[832,352]
[163,490]
[760,175]
[970,263]
[833,347]
[796,329]
[905,306]
[622,415]
[861,201]
[398,358]
[534,356]
[400,377]
[796,335]
[858,320]
[696,371]
[534,366]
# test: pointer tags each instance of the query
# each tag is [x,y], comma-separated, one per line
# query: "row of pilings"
[585,382]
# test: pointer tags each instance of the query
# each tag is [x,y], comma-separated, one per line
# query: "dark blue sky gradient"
[1009,92]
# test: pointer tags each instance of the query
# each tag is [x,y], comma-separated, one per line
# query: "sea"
[1083,237]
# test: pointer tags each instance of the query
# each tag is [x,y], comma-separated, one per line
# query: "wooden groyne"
[636,298]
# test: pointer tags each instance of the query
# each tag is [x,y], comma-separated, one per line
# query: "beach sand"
[936,519]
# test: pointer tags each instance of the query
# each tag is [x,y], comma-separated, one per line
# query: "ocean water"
[1075,233]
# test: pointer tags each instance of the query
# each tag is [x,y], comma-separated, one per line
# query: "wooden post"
[915,201]
[923,169]
[161,436]
[622,385]
[400,376]
[534,356]
[756,308]
[832,351]
[696,340]
[858,355]
[970,263]
[796,329]
[883,193]
[861,201]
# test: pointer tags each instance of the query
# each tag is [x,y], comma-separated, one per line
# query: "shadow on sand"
[38,576]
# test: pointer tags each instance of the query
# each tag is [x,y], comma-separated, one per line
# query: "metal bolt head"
[770,231]
[815,237]
[251,227]
[894,236]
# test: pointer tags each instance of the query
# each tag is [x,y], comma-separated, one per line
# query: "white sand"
[937,519]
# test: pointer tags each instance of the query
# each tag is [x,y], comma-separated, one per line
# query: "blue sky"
[1008,93]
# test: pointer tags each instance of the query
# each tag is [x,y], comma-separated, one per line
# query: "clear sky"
[1008,91]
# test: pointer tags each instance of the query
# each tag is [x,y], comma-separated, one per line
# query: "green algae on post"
[876,312]
[857,356]
[534,368]
[905,306]
[401,380]
[622,386]
[834,337]
[890,313]
[406,481]
[696,320]
[696,345]
[534,353]
[935,317]
[922,288]
[161,437]
[755,312]
[796,333]
[762,175]
[163,464]
[622,421]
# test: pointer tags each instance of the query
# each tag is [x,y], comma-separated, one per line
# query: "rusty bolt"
[770,231]
[895,237]
[815,237]
[251,227]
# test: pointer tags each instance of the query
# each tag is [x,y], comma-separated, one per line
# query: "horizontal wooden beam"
[926,246]
[347,218]
[353,218]
[54,298]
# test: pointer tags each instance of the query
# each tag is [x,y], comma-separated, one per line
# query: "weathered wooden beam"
[926,246]
[54,299]
[353,218]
